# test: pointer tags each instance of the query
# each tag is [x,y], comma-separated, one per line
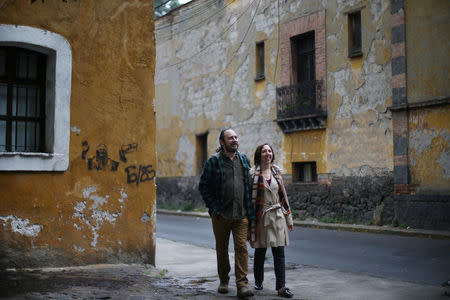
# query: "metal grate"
[299,99]
[22,100]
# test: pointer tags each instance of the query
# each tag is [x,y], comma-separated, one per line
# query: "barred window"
[305,172]
[22,100]
[35,85]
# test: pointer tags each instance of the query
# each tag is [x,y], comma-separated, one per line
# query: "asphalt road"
[388,256]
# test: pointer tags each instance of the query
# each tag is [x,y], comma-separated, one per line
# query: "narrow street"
[322,265]
[388,256]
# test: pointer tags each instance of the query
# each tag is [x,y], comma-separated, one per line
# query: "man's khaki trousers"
[238,228]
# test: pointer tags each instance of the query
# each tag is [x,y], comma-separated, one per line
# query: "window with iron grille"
[354,34]
[35,89]
[22,100]
[260,72]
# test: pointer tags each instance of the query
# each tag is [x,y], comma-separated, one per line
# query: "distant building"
[77,133]
[353,95]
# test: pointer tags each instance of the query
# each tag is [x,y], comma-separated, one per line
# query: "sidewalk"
[423,233]
[184,271]
[195,267]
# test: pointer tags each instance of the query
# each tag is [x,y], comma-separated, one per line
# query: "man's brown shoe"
[223,288]
[244,292]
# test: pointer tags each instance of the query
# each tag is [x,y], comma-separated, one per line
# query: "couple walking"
[251,204]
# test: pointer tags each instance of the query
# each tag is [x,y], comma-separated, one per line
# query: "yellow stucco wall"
[86,215]
[359,128]
[427,48]
[306,146]
[195,95]
[429,144]
[206,74]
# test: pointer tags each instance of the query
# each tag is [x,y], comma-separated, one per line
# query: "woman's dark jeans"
[278,261]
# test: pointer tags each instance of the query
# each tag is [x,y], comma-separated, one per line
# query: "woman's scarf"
[258,199]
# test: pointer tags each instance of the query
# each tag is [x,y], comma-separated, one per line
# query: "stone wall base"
[178,193]
[424,211]
[349,199]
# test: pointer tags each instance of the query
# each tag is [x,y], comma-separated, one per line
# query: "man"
[224,186]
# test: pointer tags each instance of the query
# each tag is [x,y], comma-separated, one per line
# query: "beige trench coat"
[273,227]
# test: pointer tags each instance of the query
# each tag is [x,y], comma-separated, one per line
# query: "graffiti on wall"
[101,160]
[126,149]
[141,174]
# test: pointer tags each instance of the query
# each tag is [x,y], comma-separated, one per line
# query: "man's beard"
[229,149]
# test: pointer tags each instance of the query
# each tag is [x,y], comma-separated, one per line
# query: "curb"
[420,233]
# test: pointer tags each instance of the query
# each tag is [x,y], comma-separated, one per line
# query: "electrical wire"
[197,9]
[278,42]
[195,26]
[207,46]
[242,41]
[200,9]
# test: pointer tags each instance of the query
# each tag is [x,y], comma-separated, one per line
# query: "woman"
[273,218]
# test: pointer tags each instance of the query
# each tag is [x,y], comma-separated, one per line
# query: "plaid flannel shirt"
[212,184]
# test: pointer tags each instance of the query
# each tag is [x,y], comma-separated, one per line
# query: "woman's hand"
[291,228]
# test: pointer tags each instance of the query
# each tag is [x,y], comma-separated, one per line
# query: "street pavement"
[194,266]
[186,271]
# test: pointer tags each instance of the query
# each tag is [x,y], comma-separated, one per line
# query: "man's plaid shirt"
[212,184]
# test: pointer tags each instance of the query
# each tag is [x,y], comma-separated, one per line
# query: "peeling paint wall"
[427,24]
[206,81]
[199,90]
[102,209]
[359,123]
[421,116]
[429,146]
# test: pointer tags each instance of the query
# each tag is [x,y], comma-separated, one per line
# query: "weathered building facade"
[350,94]
[77,132]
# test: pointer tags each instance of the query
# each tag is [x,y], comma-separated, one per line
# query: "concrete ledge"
[431,234]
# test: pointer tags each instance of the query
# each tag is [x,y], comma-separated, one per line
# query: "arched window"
[35,85]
